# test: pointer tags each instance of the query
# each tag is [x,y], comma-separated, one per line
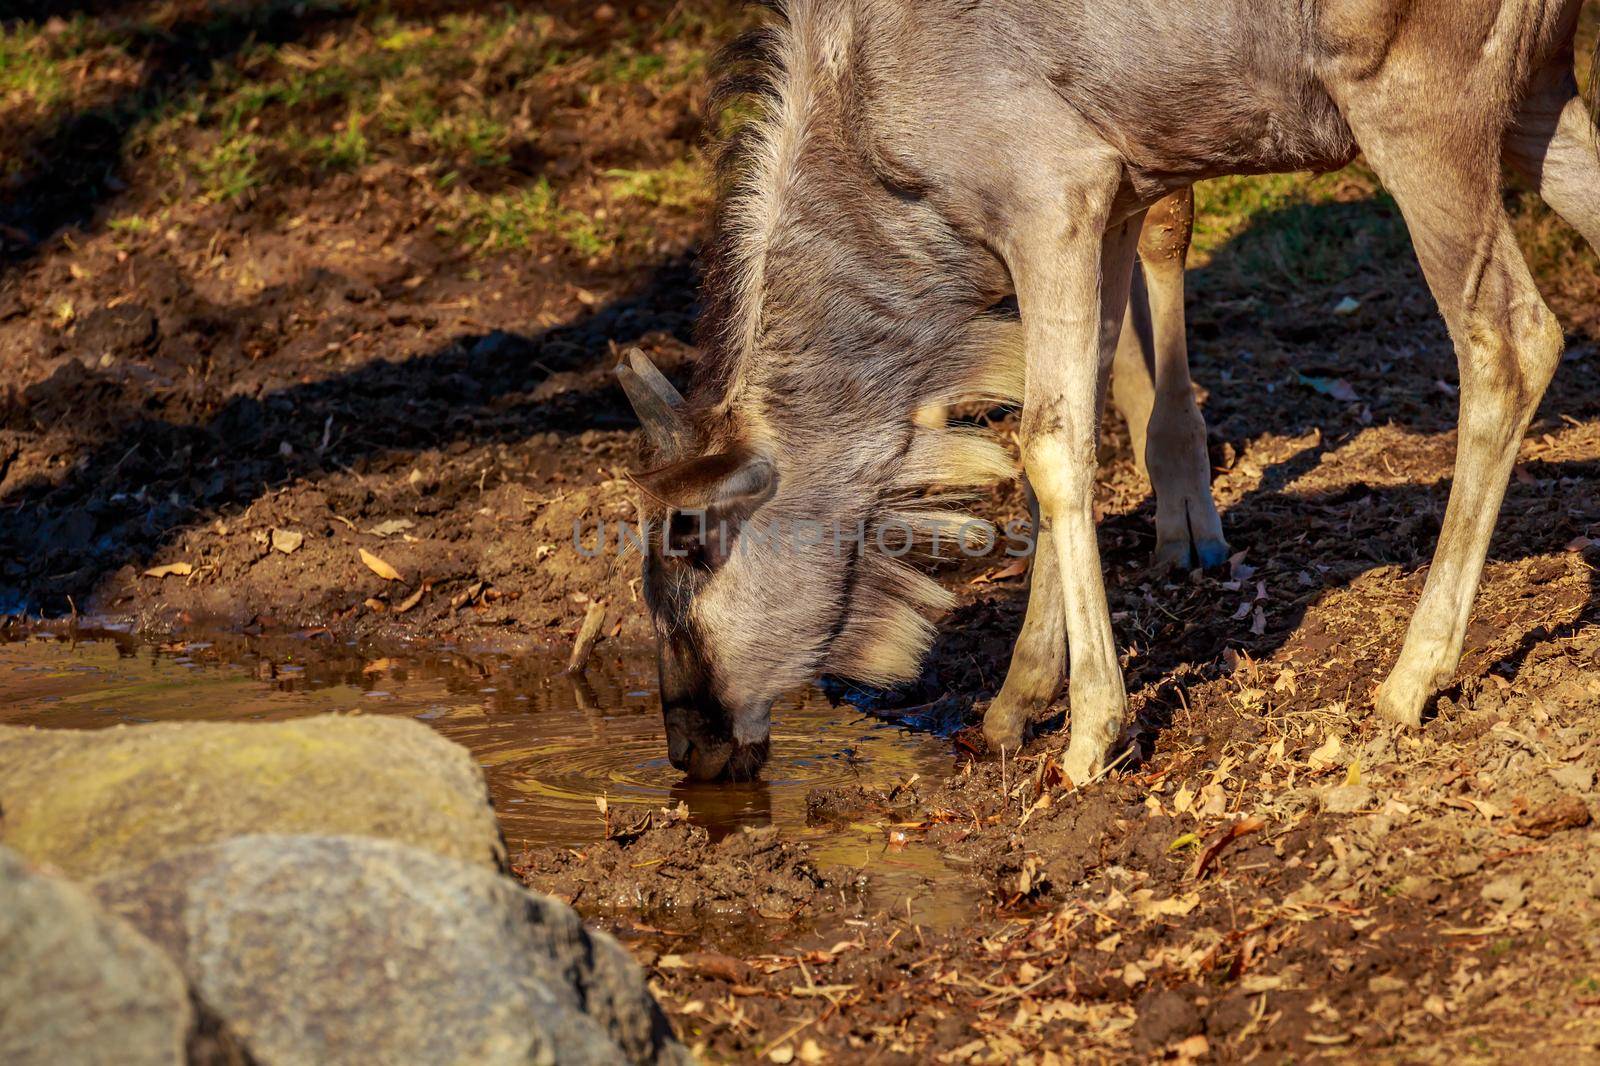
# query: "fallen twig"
[588,635]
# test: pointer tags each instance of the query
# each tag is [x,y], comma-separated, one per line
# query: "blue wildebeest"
[913,165]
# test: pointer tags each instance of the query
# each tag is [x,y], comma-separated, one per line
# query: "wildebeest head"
[760,578]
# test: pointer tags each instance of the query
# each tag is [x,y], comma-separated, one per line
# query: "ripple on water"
[550,745]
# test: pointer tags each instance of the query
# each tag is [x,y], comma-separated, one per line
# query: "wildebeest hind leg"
[1133,372]
[1507,347]
[1188,530]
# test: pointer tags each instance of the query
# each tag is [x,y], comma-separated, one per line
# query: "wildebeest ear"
[723,479]
[708,499]
[658,405]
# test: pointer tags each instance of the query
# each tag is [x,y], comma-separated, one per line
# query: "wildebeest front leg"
[1039,659]
[1072,281]
[1507,346]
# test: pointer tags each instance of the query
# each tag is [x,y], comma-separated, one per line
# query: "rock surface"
[78,985]
[331,950]
[92,801]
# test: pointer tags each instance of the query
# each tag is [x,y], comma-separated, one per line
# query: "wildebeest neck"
[835,296]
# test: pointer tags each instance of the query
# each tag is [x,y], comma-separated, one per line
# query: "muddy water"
[550,745]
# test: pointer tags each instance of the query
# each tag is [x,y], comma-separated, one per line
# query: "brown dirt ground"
[1275,876]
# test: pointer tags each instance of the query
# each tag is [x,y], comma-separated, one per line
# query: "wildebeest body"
[916,161]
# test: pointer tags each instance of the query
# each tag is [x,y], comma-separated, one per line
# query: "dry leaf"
[1147,906]
[391,527]
[1213,801]
[378,566]
[170,570]
[286,540]
[411,600]
[1327,754]
[1338,388]
[711,964]
[1016,568]
[1238,570]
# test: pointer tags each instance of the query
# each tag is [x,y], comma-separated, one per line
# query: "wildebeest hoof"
[1182,553]
[1082,766]
[1006,738]
[1401,703]
[1003,727]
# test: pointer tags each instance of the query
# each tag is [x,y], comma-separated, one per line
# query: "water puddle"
[549,744]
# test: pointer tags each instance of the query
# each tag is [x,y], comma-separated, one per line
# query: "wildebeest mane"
[792,78]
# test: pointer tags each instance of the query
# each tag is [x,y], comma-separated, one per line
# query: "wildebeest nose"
[679,749]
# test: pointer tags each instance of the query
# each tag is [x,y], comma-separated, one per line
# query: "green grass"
[131,224]
[1287,232]
[230,170]
[461,101]
[513,219]
[42,69]
[516,219]
[400,89]
[29,73]
[345,149]
[680,185]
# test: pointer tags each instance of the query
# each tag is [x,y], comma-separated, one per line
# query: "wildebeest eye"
[687,538]
[703,539]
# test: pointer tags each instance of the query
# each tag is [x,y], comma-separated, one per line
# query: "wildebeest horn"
[656,402]
[647,372]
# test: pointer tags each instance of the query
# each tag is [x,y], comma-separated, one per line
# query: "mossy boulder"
[335,950]
[78,985]
[88,801]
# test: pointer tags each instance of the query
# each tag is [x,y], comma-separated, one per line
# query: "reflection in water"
[721,809]
[549,743]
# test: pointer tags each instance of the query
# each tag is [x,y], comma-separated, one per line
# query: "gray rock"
[1508,892]
[89,801]
[1575,776]
[1422,888]
[1347,799]
[1165,1017]
[78,985]
[125,330]
[333,950]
